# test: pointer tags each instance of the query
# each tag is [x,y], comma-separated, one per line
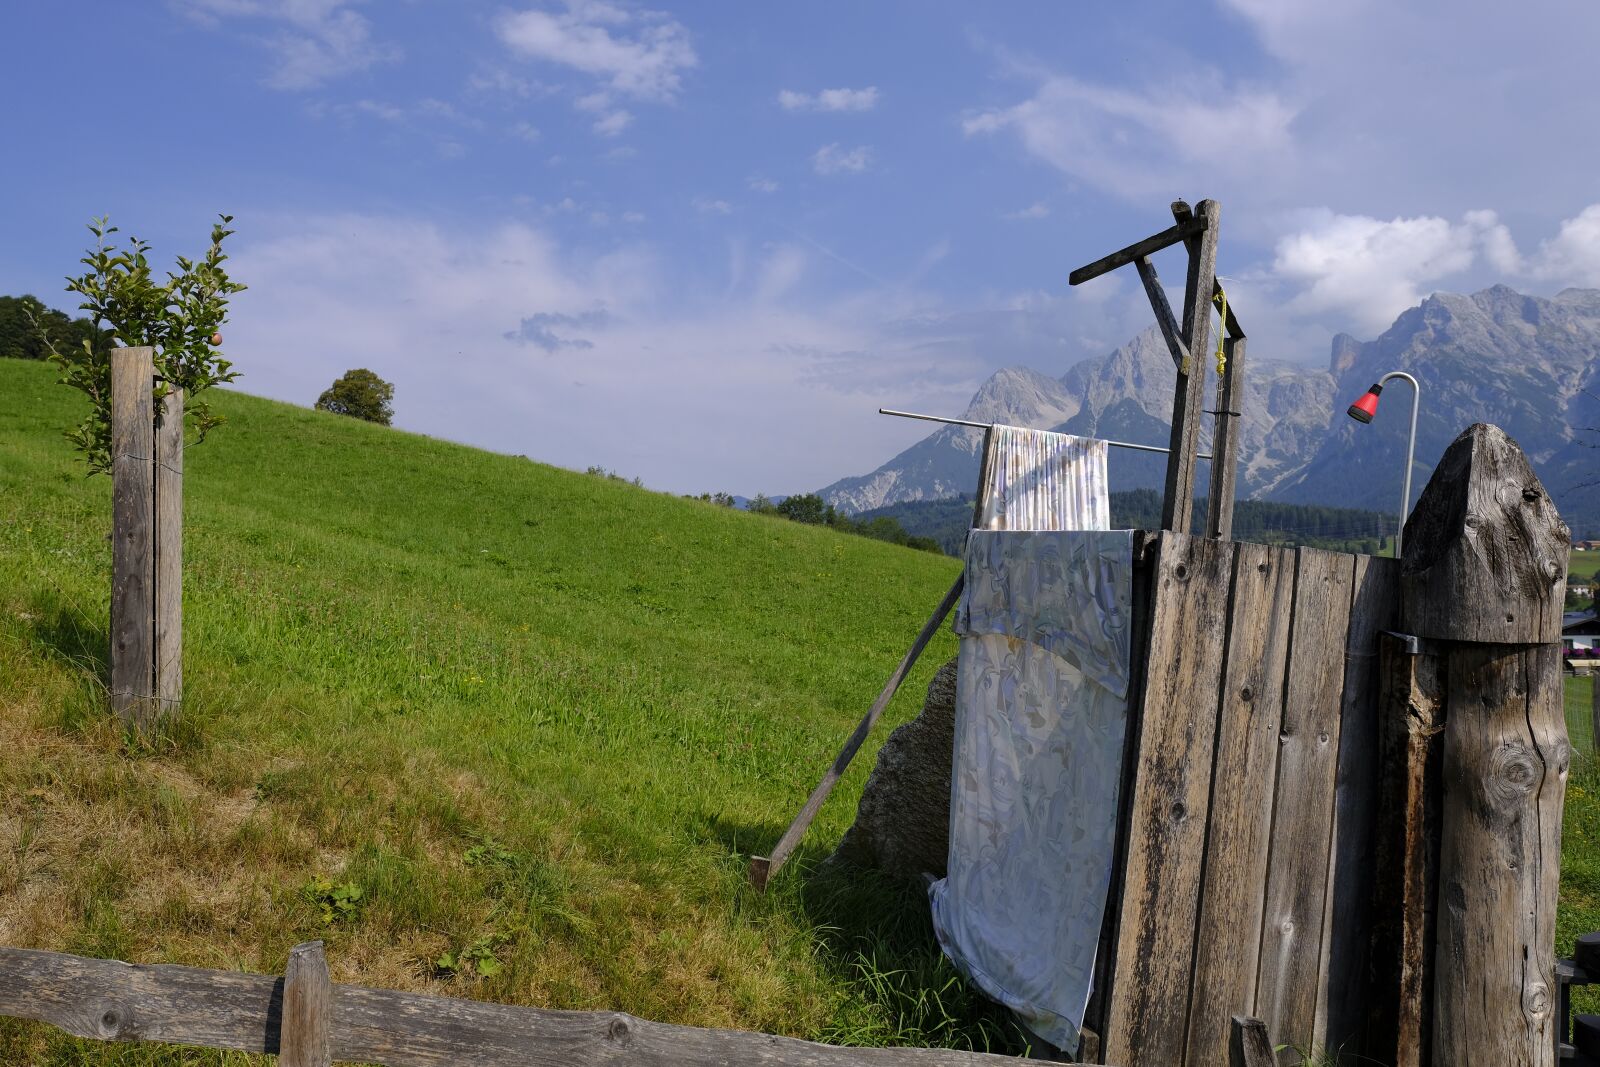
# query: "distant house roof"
[1581,622]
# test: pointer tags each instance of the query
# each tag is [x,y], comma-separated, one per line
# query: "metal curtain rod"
[985,426]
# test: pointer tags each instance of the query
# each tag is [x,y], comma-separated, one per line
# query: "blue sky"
[701,243]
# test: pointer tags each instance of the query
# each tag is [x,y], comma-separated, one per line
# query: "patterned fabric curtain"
[1041,713]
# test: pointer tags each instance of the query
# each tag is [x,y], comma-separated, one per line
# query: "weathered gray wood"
[762,868]
[1291,938]
[1505,768]
[1229,939]
[112,1001]
[1146,1007]
[1248,1043]
[1225,441]
[168,473]
[1405,855]
[1232,323]
[1170,330]
[305,1036]
[1139,250]
[1177,504]
[132,540]
[1483,578]
[1342,996]
[1490,561]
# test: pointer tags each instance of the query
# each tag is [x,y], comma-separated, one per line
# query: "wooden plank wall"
[1249,823]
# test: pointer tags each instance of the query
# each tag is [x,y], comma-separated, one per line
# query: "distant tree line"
[811,509]
[946,521]
[28,328]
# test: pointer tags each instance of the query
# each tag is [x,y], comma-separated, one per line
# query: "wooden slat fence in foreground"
[308,1021]
[1249,827]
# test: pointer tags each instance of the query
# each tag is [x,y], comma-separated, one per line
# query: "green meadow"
[487,727]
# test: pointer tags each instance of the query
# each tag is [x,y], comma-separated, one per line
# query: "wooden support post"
[1177,506]
[147,543]
[133,514]
[762,868]
[1225,441]
[1170,330]
[304,1037]
[1482,585]
[1249,1045]
[168,664]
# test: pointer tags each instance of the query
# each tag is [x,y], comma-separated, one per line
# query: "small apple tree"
[179,318]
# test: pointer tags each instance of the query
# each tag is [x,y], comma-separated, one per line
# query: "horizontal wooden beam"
[107,1000]
[1163,310]
[1192,227]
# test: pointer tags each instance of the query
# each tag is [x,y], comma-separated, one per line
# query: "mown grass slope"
[531,715]
[523,710]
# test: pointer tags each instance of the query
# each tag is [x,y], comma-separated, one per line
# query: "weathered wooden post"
[1482,583]
[1594,718]
[304,1035]
[147,542]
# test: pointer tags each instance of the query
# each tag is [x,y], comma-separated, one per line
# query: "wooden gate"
[1248,817]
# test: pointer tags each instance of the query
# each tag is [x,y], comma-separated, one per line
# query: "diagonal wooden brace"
[1186,229]
[1163,310]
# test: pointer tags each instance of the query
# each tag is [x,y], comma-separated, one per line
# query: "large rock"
[903,824]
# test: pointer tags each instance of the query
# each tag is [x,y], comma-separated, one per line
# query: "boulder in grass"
[903,824]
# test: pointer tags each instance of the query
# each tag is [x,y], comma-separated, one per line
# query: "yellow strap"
[1220,298]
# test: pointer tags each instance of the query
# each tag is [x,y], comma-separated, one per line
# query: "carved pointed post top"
[1486,552]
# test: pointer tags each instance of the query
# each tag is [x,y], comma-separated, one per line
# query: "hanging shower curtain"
[1041,713]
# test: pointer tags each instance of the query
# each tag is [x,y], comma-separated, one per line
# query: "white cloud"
[612,123]
[831,159]
[1370,270]
[641,54]
[708,206]
[315,41]
[429,308]
[830,100]
[525,131]
[1572,257]
[763,185]
[1141,143]
[1036,210]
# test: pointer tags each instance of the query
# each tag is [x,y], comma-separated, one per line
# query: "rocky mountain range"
[1526,363]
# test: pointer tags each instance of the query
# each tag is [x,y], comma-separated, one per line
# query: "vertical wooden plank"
[1240,814]
[1342,1003]
[1147,1009]
[1177,506]
[1145,545]
[169,554]
[1405,855]
[1594,717]
[305,1039]
[1291,935]
[132,535]
[1225,441]
[1505,769]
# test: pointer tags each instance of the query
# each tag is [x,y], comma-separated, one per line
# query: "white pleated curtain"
[1041,713]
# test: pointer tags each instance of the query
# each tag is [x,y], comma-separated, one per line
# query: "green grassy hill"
[521,708]
[530,715]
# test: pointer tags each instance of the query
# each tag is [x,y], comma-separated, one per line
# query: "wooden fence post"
[1594,718]
[304,1038]
[133,532]
[147,542]
[1248,1043]
[1481,587]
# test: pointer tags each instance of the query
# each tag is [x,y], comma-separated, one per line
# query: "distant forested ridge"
[20,338]
[1265,522]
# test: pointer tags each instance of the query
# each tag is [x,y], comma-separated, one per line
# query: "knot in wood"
[114,1022]
[1536,1002]
[618,1030]
[1514,772]
[1530,494]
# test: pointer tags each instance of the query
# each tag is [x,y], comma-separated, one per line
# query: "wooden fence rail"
[307,1021]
